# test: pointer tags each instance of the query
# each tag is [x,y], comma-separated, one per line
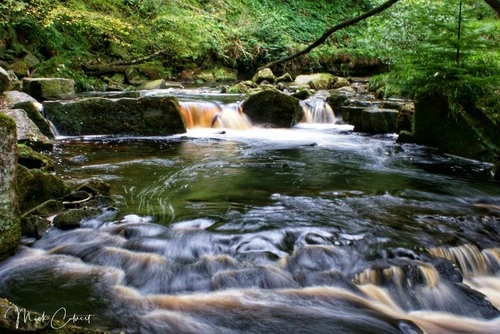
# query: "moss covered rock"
[273,108]
[35,187]
[264,74]
[31,159]
[72,218]
[152,115]
[20,100]
[5,83]
[49,88]
[27,131]
[10,229]
[318,81]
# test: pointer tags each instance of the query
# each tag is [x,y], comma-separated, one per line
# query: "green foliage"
[420,39]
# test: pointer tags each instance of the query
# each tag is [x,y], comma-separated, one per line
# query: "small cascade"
[204,114]
[317,110]
[470,259]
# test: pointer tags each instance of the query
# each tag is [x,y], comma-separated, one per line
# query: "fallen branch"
[333,29]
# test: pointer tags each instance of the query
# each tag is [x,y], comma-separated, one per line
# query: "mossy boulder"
[284,78]
[242,87]
[35,187]
[152,115]
[341,82]
[70,219]
[19,68]
[470,133]
[49,88]
[27,131]
[10,229]
[225,74]
[20,100]
[318,81]
[265,74]
[32,159]
[273,108]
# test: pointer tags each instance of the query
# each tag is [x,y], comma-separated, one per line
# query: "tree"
[333,29]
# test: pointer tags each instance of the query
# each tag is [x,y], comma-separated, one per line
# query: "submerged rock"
[149,116]
[273,108]
[10,231]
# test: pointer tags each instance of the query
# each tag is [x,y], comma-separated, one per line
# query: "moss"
[273,108]
[31,159]
[35,187]
[72,218]
[10,229]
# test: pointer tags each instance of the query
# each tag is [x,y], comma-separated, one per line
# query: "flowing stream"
[313,229]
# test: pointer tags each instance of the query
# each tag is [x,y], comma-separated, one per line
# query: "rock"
[35,187]
[49,88]
[47,208]
[152,115]
[205,76]
[241,87]
[303,93]
[34,226]
[224,74]
[19,68]
[405,137]
[318,81]
[31,60]
[27,131]
[273,108]
[95,187]
[150,85]
[264,74]
[341,82]
[7,81]
[72,218]
[378,121]
[405,118]
[284,78]
[34,160]
[10,229]
[20,100]
[496,171]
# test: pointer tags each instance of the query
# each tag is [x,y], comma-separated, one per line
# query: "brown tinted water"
[313,229]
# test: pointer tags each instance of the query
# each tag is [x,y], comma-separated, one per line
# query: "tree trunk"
[333,29]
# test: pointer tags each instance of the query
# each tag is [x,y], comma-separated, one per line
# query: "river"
[313,229]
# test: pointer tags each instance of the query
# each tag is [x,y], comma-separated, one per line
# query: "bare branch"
[333,29]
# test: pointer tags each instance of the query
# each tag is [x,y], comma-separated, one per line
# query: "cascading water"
[302,230]
[317,110]
[205,114]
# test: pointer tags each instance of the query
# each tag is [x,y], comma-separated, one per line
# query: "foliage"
[420,41]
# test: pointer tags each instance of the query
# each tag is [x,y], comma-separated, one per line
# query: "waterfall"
[317,110]
[204,114]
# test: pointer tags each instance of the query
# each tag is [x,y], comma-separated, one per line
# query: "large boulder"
[370,120]
[10,229]
[318,81]
[150,116]
[273,108]
[20,100]
[27,131]
[49,88]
